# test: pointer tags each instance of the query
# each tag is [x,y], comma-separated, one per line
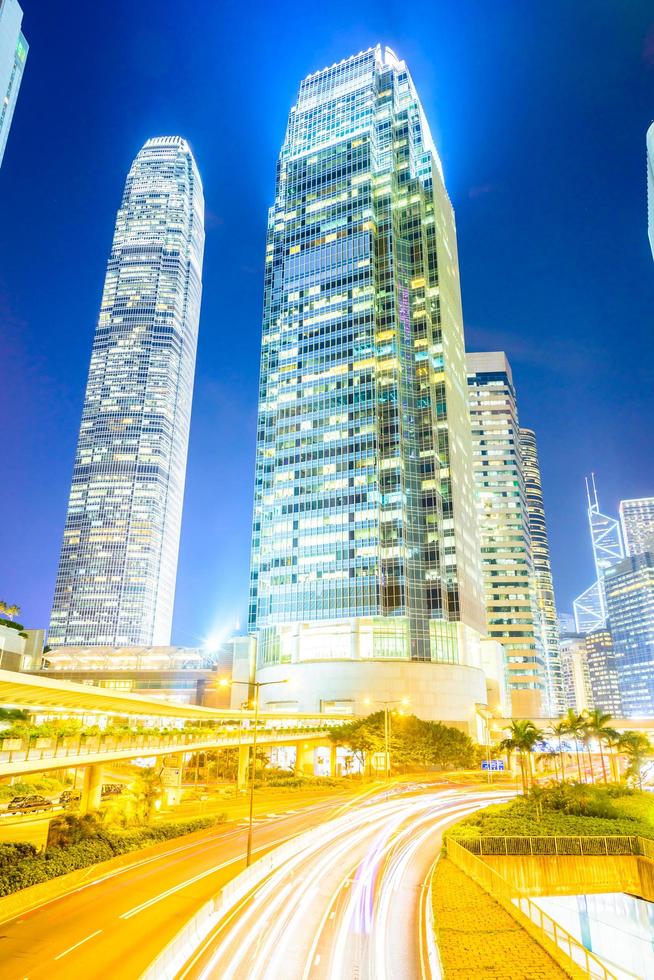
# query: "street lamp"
[387,731]
[256,685]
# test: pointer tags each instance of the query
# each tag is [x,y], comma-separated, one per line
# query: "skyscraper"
[629,589]
[509,574]
[590,606]
[540,550]
[116,578]
[637,521]
[13,54]
[365,542]
[603,672]
[650,185]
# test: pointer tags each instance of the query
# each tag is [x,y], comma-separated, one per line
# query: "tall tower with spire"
[608,550]
[118,564]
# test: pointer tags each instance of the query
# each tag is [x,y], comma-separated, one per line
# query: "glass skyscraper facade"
[509,575]
[590,607]
[629,588]
[637,522]
[116,578]
[13,55]
[365,542]
[540,551]
[603,672]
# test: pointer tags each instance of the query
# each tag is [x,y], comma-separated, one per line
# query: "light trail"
[347,905]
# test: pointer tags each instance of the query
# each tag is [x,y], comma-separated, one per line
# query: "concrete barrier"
[180,949]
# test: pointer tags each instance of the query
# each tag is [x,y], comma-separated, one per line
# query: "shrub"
[573,810]
[81,842]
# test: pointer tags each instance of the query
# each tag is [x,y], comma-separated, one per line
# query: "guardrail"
[618,846]
[542,926]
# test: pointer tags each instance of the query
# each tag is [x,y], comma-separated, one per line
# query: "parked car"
[69,797]
[112,789]
[27,803]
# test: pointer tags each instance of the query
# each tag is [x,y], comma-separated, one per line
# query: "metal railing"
[542,926]
[558,846]
[42,749]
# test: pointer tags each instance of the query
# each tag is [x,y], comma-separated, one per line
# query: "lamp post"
[387,731]
[256,685]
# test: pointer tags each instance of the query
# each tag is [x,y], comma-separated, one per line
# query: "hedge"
[21,866]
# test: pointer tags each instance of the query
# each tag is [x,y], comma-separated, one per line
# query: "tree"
[559,730]
[597,726]
[414,743]
[523,737]
[574,725]
[637,748]
[11,611]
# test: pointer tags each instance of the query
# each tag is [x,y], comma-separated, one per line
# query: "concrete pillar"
[92,789]
[243,762]
[332,760]
[304,758]
[171,777]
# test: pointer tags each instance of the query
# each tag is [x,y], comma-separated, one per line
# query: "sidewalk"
[477,938]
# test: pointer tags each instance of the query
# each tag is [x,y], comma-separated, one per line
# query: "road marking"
[203,874]
[80,943]
[317,959]
[176,888]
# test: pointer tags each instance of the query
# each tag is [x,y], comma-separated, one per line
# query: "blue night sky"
[539,111]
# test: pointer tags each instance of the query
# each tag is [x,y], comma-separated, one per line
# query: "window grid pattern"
[116,578]
[511,602]
[351,464]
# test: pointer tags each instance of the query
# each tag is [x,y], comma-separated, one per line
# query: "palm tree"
[574,725]
[12,611]
[597,725]
[559,730]
[523,736]
[637,747]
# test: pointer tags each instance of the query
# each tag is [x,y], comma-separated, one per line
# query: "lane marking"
[176,888]
[203,874]
[80,943]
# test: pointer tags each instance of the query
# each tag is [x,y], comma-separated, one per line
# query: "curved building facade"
[116,577]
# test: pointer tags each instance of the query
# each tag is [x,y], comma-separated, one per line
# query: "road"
[350,905]
[117,926]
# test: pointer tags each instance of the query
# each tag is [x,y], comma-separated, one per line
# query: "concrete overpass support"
[92,789]
[243,763]
[172,779]
[305,758]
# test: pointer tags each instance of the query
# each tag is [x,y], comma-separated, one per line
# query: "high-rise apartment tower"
[13,54]
[511,602]
[365,552]
[540,551]
[116,579]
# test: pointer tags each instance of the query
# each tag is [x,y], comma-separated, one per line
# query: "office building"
[637,522]
[575,673]
[509,574]
[606,540]
[366,580]
[116,578]
[630,603]
[602,671]
[13,55]
[540,551]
